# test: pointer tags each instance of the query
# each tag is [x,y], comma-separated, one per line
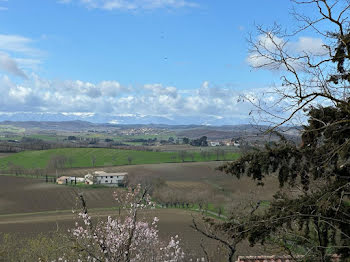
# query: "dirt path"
[49,216]
[62,215]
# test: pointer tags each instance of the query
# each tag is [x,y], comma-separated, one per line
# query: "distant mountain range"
[190,127]
[191,131]
[123,119]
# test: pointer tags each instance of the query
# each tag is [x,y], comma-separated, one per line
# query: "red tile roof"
[335,258]
[264,259]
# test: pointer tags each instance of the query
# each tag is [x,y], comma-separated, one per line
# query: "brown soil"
[18,194]
[172,222]
[22,195]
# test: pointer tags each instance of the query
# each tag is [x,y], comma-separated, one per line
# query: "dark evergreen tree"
[185,140]
[317,218]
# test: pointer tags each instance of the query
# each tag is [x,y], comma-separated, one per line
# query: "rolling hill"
[83,157]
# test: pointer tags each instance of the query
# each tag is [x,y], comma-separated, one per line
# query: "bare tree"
[151,183]
[220,210]
[209,155]
[182,155]
[39,172]
[70,161]
[57,162]
[130,160]
[93,160]
[218,153]
[173,158]
[209,230]
[309,75]
[223,154]
[191,155]
[114,159]
[203,154]
[202,198]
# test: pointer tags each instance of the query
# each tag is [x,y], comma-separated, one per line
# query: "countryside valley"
[175,131]
[181,175]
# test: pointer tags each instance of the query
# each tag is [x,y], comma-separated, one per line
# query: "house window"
[106,181]
[111,177]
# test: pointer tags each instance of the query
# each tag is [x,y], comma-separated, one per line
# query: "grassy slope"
[12,129]
[104,157]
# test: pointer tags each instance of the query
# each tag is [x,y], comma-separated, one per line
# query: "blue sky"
[169,58]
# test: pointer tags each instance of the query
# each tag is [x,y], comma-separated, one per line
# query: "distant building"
[265,259]
[62,180]
[103,178]
[78,179]
[213,143]
[89,179]
[97,177]
[69,179]
[12,141]
[333,258]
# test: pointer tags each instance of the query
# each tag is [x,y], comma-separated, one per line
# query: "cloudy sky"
[175,59]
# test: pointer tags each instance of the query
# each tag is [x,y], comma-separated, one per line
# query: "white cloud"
[28,63]
[17,54]
[10,65]
[111,97]
[310,45]
[133,4]
[16,43]
[272,44]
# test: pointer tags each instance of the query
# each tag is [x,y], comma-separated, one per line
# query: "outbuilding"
[69,179]
[62,180]
[104,178]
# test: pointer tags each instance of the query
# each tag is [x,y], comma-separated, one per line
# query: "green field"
[46,137]
[8,132]
[10,137]
[82,157]
[11,129]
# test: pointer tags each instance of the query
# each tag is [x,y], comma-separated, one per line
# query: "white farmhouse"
[78,179]
[236,143]
[101,177]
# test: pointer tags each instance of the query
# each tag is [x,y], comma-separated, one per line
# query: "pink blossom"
[126,238]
